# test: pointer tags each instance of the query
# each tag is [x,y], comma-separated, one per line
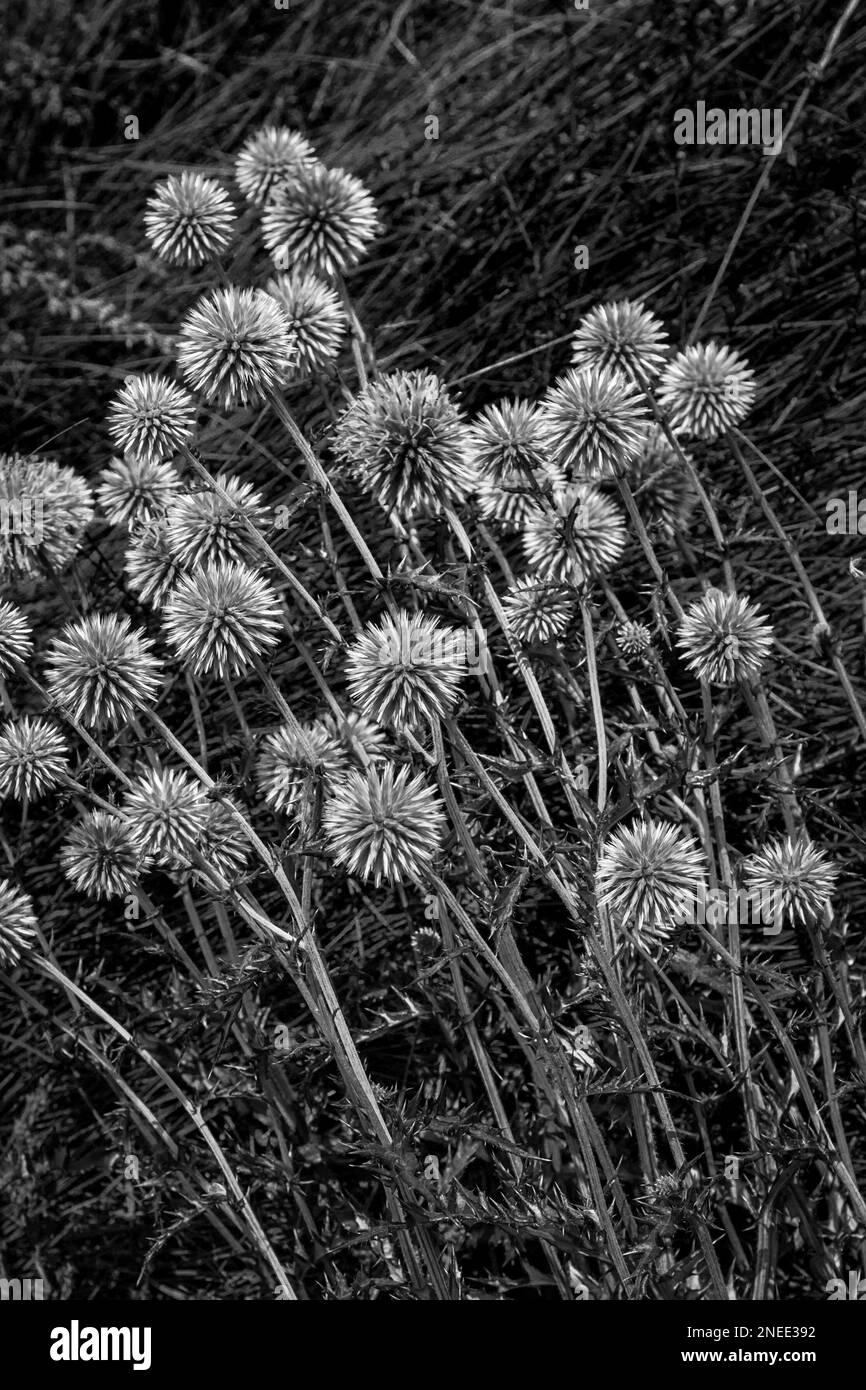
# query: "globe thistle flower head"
[407,443]
[320,220]
[295,764]
[724,638]
[316,317]
[235,346]
[794,879]
[538,611]
[623,335]
[358,737]
[594,423]
[407,671]
[580,536]
[189,219]
[223,844]
[426,943]
[384,824]
[44,510]
[507,440]
[151,567]
[205,527]
[33,758]
[136,489]
[647,876]
[16,641]
[102,671]
[512,500]
[17,924]
[168,816]
[269,158]
[635,639]
[101,858]
[151,418]
[663,490]
[705,390]
[220,618]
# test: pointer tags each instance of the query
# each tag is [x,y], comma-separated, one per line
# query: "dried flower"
[316,316]
[581,535]
[538,611]
[205,527]
[358,736]
[189,219]
[427,943]
[794,879]
[101,857]
[17,924]
[593,422]
[706,390]
[136,489]
[384,824]
[508,441]
[407,671]
[663,490]
[295,763]
[635,639]
[724,638]
[235,346]
[221,617]
[101,671]
[407,443]
[269,158]
[223,844]
[320,220]
[168,815]
[648,875]
[151,418]
[151,567]
[44,510]
[33,758]
[623,335]
[16,641]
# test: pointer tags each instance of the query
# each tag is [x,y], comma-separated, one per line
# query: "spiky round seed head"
[205,527]
[407,443]
[647,876]
[235,346]
[581,535]
[136,489]
[706,390]
[44,510]
[317,319]
[33,758]
[102,671]
[151,568]
[426,942]
[508,439]
[223,844]
[16,640]
[151,418]
[594,422]
[269,158]
[101,857]
[793,877]
[295,764]
[623,335]
[17,924]
[320,220]
[189,219]
[725,639]
[538,611]
[358,736]
[512,499]
[221,617]
[635,639]
[663,490]
[168,815]
[407,671]
[384,824]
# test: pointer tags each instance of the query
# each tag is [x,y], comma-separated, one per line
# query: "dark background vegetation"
[554,129]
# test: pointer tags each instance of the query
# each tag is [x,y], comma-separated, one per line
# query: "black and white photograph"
[433,673]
